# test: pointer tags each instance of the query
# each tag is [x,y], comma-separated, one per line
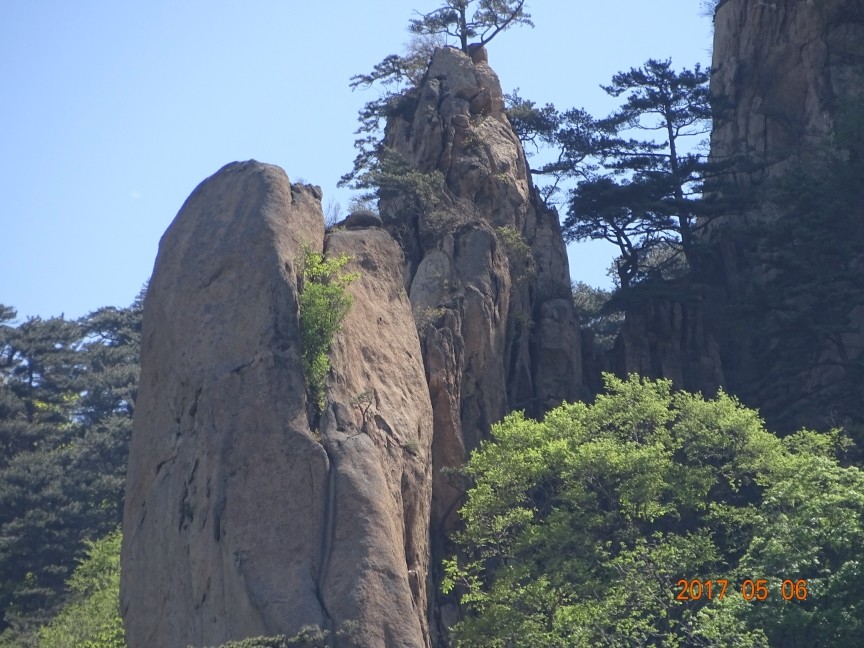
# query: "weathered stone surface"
[378,435]
[487,272]
[225,485]
[240,519]
[361,218]
[666,338]
[782,69]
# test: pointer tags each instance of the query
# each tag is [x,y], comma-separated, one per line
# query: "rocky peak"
[247,516]
[485,266]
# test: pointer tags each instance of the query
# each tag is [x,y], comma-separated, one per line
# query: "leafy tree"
[91,618]
[579,528]
[489,19]
[649,191]
[596,314]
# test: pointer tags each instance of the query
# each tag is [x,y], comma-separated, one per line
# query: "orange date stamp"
[751,589]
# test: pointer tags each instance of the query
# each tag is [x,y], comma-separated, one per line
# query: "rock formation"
[486,269]
[245,514]
[785,75]
[241,519]
[781,72]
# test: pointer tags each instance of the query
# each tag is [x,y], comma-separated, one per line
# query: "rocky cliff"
[776,318]
[781,72]
[486,271]
[241,518]
[246,513]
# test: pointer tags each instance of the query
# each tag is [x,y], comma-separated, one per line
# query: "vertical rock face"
[785,74]
[782,69]
[245,514]
[486,269]
[241,519]
[670,339]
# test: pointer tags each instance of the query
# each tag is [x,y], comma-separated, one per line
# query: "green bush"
[324,303]
[91,619]
[308,637]
[580,528]
[518,252]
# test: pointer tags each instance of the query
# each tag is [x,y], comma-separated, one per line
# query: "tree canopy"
[67,394]
[636,183]
[455,18]
[585,528]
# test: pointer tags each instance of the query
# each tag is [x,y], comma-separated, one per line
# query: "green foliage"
[518,252]
[308,637]
[649,192]
[579,527]
[390,175]
[324,303]
[91,618]
[67,393]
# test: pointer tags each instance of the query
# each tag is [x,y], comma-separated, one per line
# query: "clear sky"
[112,112]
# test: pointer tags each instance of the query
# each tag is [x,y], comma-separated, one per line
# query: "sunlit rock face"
[246,516]
[486,270]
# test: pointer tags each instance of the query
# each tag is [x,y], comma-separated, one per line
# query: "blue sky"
[112,112]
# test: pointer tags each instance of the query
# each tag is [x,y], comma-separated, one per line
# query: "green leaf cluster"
[324,303]
[579,526]
[91,618]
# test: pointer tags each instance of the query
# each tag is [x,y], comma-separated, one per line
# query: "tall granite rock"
[781,71]
[241,518]
[485,267]
[246,513]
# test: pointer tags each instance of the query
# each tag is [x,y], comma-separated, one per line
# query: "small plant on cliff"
[324,303]
[518,252]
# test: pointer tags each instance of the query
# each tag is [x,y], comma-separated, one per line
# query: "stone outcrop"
[782,70]
[486,269]
[249,514]
[786,74]
[670,338]
[241,517]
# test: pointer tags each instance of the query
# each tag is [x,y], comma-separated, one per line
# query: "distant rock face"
[486,271]
[664,338]
[240,519]
[784,72]
[782,69]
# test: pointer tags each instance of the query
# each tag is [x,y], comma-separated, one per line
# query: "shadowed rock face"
[782,69]
[239,522]
[785,74]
